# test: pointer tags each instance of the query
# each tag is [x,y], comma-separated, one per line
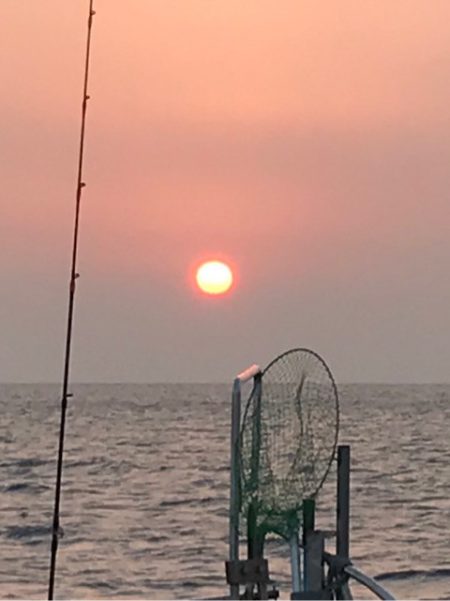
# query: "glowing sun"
[214,277]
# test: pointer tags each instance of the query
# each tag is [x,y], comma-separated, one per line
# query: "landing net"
[288,439]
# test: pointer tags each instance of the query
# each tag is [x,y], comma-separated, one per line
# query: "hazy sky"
[308,142]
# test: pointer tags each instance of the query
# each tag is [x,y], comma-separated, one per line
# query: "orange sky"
[308,142]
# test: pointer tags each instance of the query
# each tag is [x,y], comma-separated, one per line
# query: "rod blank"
[72,288]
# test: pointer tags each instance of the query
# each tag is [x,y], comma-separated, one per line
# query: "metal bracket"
[247,571]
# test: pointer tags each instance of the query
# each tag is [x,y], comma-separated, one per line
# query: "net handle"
[254,371]
[249,373]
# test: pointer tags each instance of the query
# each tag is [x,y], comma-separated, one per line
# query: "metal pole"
[343,502]
[254,544]
[256,433]
[309,508]
[234,479]
[235,494]
[370,583]
[295,564]
[313,576]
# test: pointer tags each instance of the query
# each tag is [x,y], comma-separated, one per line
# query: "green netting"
[288,438]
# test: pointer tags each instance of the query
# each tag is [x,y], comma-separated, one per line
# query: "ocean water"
[145,490]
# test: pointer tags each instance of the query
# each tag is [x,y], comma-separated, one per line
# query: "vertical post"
[254,546]
[256,431]
[343,502]
[309,514]
[295,565]
[309,509]
[313,576]
[234,479]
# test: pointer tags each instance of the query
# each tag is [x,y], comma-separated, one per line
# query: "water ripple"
[145,490]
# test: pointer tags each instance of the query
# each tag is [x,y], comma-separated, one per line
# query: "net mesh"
[288,438]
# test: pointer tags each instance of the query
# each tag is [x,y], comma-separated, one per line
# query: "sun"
[214,277]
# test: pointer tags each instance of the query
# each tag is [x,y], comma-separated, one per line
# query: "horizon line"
[206,383]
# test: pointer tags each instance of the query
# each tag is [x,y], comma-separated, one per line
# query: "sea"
[146,490]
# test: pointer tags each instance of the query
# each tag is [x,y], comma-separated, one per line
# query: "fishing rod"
[72,286]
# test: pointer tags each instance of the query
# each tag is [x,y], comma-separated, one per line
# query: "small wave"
[156,539]
[28,533]
[101,585]
[24,487]
[207,500]
[189,502]
[23,464]
[187,532]
[86,463]
[17,487]
[203,482]
[407,574]
[174,503]
[191,584]
[30,462]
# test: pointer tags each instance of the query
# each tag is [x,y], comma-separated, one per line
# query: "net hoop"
[283,519]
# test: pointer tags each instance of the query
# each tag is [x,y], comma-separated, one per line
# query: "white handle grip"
[249,373]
